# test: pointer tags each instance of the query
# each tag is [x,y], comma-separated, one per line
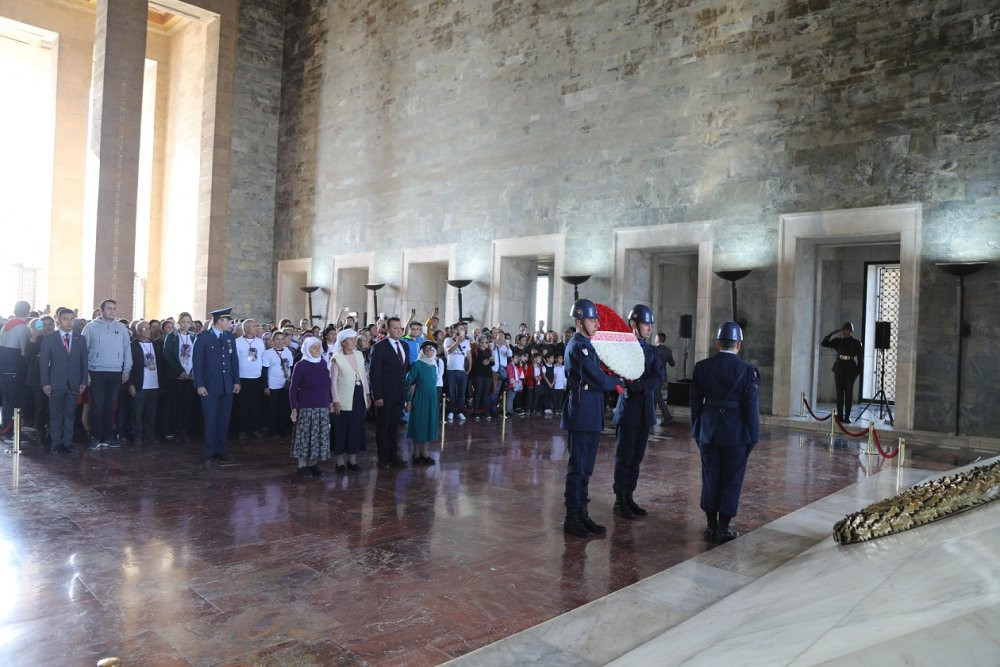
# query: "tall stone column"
[116,114]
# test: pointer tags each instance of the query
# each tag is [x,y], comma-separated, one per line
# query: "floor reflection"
[145,554]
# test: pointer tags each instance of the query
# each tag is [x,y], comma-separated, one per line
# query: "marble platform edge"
[913,436]
[564,640]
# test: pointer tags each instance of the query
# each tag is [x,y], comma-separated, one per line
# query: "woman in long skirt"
[310,397]
[351,400]
[422,404]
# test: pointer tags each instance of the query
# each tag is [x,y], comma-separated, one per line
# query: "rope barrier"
[878,445]
[853,434]
[451,407]
[813,414]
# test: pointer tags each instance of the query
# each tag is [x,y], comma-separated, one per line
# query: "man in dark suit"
[635,415]
[583,417]
[387,375]
[725,422]
[62,366]
[216,378]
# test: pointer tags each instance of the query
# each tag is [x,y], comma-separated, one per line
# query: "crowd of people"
[134,381]
[108,381]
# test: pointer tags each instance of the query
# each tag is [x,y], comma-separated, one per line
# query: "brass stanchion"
[833,425]
[16,449]
[802,405]
[902,452]
[870,446]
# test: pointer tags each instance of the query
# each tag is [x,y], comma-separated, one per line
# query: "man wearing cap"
[216,368]
[846,368]
[583,417]
[725,422]
[635,415]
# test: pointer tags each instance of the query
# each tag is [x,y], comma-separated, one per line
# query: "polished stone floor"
[144,554]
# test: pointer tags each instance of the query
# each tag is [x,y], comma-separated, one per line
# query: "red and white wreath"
[617,347]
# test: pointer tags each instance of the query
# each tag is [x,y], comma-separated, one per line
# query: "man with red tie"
[62,365]
[387,375]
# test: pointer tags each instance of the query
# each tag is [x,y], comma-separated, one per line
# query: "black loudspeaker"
[686,326]
[883,335]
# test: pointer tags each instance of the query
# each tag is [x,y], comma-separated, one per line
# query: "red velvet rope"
[451,407]
[809,408]
[881,451]
[853,434]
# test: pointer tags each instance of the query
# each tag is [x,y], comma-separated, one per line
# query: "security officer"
[725,422]
[846,368]
[635,415]
[583,417]
[216,377]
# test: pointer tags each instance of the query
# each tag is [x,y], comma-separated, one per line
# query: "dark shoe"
[588,523]
[304,472]
[354,467]
[723,535]
[224,458]
[710,534]
[70,449]
[429,461]
[316,471]
[113,443]
[622,508]
[340,470]
[574,526]
[636,510]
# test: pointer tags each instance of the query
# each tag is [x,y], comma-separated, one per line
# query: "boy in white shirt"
[277,364]
[558,384]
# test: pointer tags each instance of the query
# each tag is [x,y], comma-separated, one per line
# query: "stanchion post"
[802,405]
[503,405]
[444,409]
[901,447]
[870,447]
[833,425]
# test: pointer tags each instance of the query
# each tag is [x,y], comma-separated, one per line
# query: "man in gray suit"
[62,365]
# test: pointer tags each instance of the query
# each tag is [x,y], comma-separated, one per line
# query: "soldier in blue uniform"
[216,377]
[583,417]
[635,415]
[725,422]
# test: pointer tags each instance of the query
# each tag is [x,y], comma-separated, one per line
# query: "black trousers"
[250,403]
[661,404]
[387,430]
[104,388]
[481,389]
[582,447]
[278,411]
[180,407]
[144,414]
[629,452]
[844,380]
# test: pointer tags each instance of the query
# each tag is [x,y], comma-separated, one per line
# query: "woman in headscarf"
[351,400]
[421,383]
[329,342]
[311,402]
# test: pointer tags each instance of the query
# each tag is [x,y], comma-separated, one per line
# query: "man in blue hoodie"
[109,361]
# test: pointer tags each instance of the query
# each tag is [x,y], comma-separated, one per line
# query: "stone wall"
[254,156]
[509,119]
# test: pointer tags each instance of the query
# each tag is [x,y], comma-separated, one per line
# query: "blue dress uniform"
[634,416]
[216,368]
[725,422]
[583,417]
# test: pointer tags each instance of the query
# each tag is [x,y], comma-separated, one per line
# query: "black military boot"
[632,505]
[573,525]
[712,526]
[724,533]
[588,523]
[622,508]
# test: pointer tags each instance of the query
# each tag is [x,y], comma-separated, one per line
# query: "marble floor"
[787,594]
[144,554]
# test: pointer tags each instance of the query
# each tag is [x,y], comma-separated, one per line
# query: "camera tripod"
[880,397]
